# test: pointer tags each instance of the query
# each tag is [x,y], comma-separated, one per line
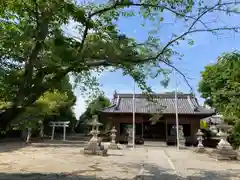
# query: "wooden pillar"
[166,126]
[64,132]
[117,126]
[53,130]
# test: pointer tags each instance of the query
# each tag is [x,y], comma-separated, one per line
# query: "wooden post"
[53,129]
[64,132]
[166,127]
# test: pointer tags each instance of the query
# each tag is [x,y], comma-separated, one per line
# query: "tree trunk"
[8,115]
[29,134]
[24,134]
[41,133]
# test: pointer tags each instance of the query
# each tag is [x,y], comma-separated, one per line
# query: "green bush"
[234,137]
[208,134]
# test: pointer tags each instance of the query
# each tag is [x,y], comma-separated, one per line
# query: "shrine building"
[120,115]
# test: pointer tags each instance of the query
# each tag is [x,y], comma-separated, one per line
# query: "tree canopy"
[220,85]
[94,106]
[36,53]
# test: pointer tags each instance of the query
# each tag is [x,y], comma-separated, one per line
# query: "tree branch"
[189,31]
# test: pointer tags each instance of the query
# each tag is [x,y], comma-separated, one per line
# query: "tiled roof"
[163,103]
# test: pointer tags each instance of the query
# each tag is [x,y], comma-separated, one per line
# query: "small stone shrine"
[113,144]
[94,146]
[200,148]
[224,150]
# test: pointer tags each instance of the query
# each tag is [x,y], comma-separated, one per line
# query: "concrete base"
[113,146]
[94,147]
[97,152]
[224,154]
[200,150]
[238,154]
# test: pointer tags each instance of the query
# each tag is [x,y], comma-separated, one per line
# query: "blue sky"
[205,50]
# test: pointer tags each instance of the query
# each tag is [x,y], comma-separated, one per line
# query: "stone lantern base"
[224,151]
[238,154]
[200,149]
[94,147]
[225,154]
[113,146]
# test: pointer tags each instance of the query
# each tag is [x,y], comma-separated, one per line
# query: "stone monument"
[94,146]
[182,139]
[224,150]
[200,148]
[130,136]
[113,144]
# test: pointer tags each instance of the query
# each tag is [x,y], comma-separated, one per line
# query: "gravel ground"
[65,162]
[191,165]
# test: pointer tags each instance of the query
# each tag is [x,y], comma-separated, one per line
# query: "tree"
[38,53]
[93,108]
[57,103]
[220,86]
[47,105]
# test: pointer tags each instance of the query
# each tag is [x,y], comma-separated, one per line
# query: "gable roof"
[162,103]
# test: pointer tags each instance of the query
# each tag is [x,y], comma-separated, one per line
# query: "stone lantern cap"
[224,126]
[199,133]
[94,121]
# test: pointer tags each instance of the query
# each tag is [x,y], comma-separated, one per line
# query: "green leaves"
[34,43]
[190,42]
[220,86]
[94,106]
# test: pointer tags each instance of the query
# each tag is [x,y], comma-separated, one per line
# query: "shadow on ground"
[151,173]
[6,146]
[155,173]
[59,143]
[11,146]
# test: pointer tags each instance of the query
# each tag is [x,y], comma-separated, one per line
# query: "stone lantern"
[113,134]
[224,148]
[95,128]
[113,144]
[200,148]
[94,147]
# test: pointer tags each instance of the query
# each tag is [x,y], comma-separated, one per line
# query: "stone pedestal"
[224,151]
[200,148]
[238,154]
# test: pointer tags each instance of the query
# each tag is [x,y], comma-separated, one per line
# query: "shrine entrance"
[62,124]
[155,132]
